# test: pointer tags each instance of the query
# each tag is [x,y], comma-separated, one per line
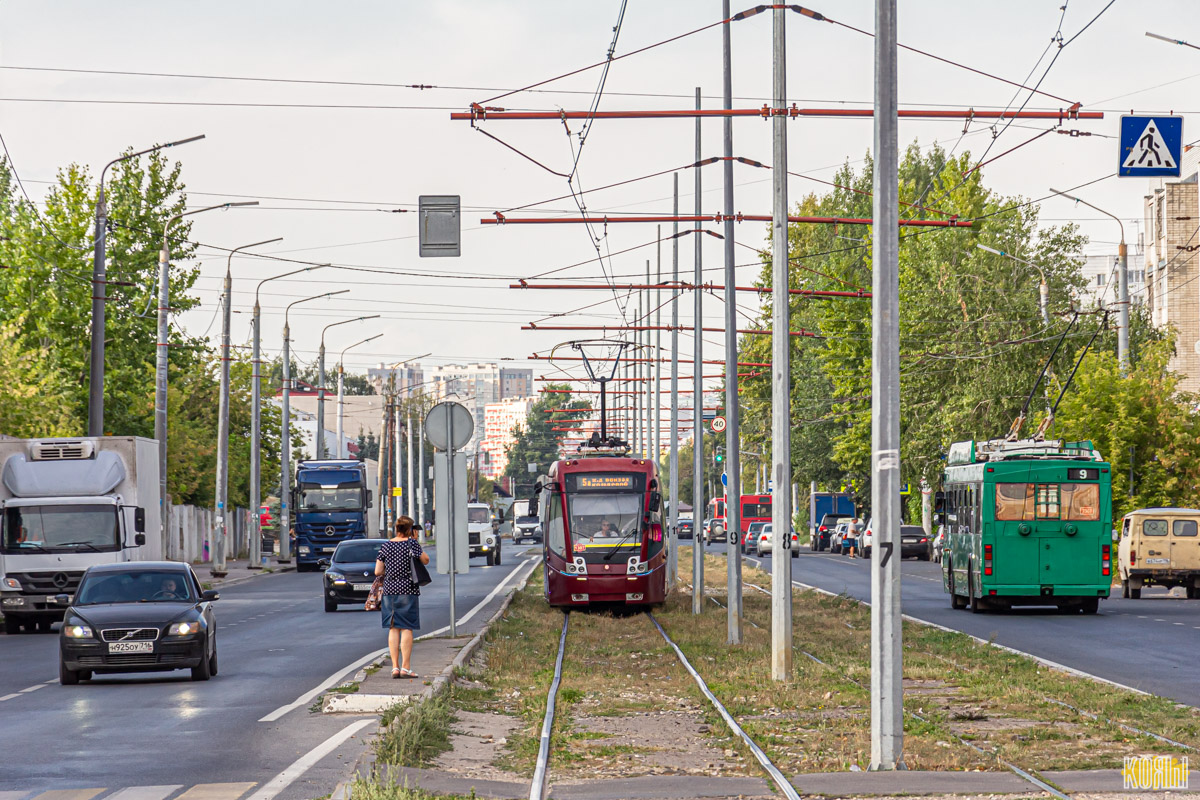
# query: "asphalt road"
[1150,644]
[275,643]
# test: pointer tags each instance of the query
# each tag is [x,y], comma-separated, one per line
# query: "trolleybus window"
[1033,501]
[1154,527]
[1184,527]
[760,510]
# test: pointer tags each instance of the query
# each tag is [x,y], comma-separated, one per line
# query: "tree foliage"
[536,442]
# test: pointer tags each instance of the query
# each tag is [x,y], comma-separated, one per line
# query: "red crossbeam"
[479,113]
[625,287]
[685,328]
[639,360]
[500,219]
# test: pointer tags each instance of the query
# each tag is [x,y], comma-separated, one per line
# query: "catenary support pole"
[887,710]
[1123,305]
[397,459]
[420,518]
[781,431]
[733,464]
[652,389]
[341,411]
[382,494]
[410,484]
[284,549]
[221,522]
[698,405]
[673,553]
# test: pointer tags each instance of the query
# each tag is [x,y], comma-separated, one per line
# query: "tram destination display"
[603,481]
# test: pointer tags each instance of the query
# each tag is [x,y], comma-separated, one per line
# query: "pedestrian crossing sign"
[1150,147]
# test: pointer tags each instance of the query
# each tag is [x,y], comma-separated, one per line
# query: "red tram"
[602,532]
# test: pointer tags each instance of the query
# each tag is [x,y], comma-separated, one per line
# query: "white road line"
[144,792]
[8,697]
[32,688]
[307,698]
[305,762]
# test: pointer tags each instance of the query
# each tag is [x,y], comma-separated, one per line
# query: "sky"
[341,185]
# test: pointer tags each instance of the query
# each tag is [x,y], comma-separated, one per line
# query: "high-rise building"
[501,420]
[407,377]
[473,385]
[516,382]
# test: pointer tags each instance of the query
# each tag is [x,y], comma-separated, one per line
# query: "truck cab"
[331,503]
[67,505]
[483,533]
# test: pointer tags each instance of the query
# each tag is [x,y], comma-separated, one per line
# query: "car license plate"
[330,549]
[909,541]
[131,647]
[1158,561]
[361,587]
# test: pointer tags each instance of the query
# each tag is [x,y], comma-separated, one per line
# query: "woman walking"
[401,594]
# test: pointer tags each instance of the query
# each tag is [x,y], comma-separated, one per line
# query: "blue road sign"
[1150,147]
[725,480]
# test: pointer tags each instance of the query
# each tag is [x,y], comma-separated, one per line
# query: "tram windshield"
[601,522]
[1034,501]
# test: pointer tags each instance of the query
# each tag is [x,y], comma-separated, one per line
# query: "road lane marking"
[68,794]
[144,792]
[307,698]
[216,791]
[9,697]
[32,688]
[305,762]
[491,596]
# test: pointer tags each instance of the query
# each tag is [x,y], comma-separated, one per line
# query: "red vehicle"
[264,518]
[603,534]
[755,508]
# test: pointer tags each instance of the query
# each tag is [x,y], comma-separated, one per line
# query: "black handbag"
[420,573]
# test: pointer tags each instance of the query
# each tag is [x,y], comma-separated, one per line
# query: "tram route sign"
[1150,147]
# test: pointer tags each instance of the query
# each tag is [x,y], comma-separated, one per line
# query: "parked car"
[914,542]
[714,530]
[765,542]
[823,536]
[349,572]
[838,533]
[684,529]
[139,616]
[938,545]
[751,536]
[851,538]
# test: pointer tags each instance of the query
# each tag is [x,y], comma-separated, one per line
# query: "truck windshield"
[335,497]
[479,516]
[60,529]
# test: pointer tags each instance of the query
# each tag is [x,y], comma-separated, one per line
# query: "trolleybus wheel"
[1090,605]
[973,601]
[956,602]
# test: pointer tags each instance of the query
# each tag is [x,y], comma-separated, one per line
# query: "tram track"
[540,783]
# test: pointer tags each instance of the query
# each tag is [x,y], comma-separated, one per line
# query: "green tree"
[536,442]
[32,392]
[354,383]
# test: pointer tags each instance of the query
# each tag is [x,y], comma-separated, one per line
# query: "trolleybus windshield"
[1047,501]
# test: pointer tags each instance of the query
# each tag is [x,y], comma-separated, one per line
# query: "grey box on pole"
[440,225]
[451,492]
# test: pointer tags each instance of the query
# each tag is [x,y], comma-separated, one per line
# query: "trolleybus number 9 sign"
[1084,474]
[718,424]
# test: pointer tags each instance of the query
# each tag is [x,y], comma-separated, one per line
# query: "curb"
[219,582]
[439,683]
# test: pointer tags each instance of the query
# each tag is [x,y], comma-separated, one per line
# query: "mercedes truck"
[66,505]
[330,503]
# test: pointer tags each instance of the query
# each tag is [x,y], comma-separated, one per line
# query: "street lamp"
[99,280]
[285,478]
[160,356]
[1122,285]
[256,420]
[222,498]
[341,439]
[320,443]
[1043,289]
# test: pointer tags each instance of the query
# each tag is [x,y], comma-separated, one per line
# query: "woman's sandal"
[397,672]
[408,673]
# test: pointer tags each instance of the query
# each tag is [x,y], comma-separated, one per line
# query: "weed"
[413,734]
[376,790]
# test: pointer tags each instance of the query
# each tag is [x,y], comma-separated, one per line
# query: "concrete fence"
[190,534]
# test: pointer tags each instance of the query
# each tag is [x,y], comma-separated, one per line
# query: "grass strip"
[413,734]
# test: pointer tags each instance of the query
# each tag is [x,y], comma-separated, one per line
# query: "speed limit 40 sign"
[718,424]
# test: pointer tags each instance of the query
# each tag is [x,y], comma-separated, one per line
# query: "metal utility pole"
[781,401]
[285,466]
[421,469]
[1122,285]
[698,403]
[1043,287]
[99,297]
[887,695]
[160,357]
[656,386]
[733,439]
[408,488]
[639,428]
[320,443]
[397,450]
[673,553]
[382,439]
[221,534]
[341,408]
[256,422]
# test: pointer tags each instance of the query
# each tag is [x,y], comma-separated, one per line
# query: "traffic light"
[719,457]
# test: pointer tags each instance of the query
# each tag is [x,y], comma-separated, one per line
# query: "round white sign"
[718,424]
[449,425]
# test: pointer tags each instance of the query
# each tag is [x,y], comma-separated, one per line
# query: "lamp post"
[256,419]
[99,281]
[341,439]
[285,467]
[320,443]
[1043,289]
[222,489]
[1122,284]
[160,358]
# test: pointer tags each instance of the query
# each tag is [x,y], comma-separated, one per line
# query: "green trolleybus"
[1026,523]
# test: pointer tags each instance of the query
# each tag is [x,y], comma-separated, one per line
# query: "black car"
[684,529]
[149,616]
[914,542]
[350,572]
[824,531]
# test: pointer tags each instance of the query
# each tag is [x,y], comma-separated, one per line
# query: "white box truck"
[66,504]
